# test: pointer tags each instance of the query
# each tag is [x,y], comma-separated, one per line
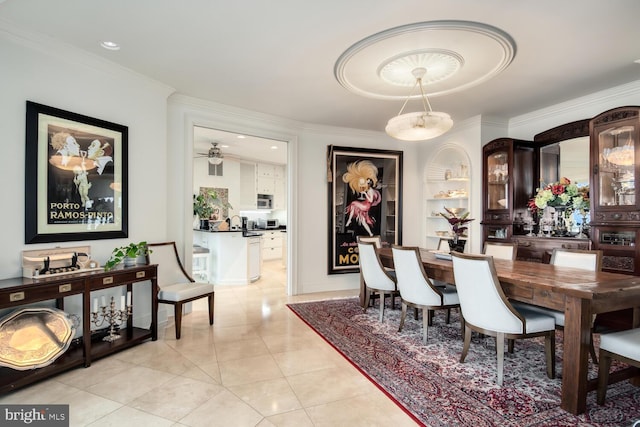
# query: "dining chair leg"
[500,354]
[603,376]
[448,318]
[403,314]
[510,345]
[381,305]
[367,297]
[425,328]
[550,352]
[210,299]
[467,342]
[177,314]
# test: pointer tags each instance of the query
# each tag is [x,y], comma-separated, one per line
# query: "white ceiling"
[233,145]
[278,56]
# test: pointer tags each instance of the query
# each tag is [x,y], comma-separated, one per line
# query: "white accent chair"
[487,310]
[416,290]
[501,250]
[374,276]
[176,286]
[623,346]
[576,258]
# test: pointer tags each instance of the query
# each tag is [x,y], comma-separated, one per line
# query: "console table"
[20,291]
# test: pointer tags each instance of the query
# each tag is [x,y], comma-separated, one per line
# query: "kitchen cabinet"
[248,189]
[615,203]
[233,256]
[446,185]
[508,182]
[271,180]
[271,245]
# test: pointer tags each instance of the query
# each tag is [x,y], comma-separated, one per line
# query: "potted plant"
[204,205]
[203,208]
[127,255]
[458,227]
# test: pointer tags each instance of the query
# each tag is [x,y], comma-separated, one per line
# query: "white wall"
[59,77]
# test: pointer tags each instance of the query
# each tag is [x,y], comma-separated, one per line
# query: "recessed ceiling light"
[241,136]
[110,45]
[274,147]
[224,146]
[637,61]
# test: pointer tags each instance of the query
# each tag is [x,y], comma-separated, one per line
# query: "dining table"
[580,294]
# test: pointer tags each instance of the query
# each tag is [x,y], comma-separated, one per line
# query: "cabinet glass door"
[498,180]
[616,161]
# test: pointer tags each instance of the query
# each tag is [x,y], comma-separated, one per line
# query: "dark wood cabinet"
[615,203]
[508,183]
[539,249]
[20,291]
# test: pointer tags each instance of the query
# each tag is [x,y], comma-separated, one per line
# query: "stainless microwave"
[265,201]
[266,224]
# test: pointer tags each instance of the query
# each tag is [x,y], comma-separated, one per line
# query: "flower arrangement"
[562,193]
[456,222]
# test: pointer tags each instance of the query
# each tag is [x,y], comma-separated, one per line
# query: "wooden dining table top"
[579,283]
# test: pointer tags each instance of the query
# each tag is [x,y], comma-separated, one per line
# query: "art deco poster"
[365,191]
[75,183]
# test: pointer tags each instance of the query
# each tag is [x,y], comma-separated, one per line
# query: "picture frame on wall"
[365,199]
[75,177]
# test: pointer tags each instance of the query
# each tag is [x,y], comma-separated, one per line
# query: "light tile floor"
[258,365]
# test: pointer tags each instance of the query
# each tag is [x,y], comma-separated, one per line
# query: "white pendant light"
[421,125]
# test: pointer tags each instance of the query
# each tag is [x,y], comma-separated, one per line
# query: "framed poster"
[75,177]
[365,199]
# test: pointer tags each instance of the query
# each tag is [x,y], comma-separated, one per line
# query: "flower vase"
[457,245]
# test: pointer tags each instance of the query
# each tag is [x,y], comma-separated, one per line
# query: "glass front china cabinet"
[615,207]
[508,183]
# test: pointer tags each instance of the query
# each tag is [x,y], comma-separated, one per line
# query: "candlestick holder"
[113,316]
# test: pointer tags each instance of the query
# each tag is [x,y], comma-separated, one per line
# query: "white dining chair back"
[416,289]
[482,300]
[376,278]
[377,240]
[500,250]
[583,259]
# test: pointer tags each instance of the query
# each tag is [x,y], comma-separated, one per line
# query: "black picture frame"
[353,212]
[75,177]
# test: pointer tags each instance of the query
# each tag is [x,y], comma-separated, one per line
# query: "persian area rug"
[430,384]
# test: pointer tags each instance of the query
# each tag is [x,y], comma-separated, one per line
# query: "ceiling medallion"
[457,55]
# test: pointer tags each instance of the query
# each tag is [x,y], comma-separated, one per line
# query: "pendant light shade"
[418,126]
[421,125]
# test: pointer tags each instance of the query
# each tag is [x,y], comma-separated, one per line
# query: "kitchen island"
[234,256]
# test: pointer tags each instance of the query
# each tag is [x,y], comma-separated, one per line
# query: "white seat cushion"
[183,291]
[535,321]
[557,315]
[450,296]
[624,343]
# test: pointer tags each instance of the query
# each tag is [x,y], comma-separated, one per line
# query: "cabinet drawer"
[9,298]
[271,253]
[123,277]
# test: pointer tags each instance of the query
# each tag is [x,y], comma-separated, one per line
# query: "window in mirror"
[569,159]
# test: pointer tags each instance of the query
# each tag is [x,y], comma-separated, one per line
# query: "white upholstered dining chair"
[590,260]
[416,290]
[175,285]
[487,310]
[375,277]
[501,250]
[623,346]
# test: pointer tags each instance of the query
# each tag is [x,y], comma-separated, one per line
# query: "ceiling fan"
[214,154]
